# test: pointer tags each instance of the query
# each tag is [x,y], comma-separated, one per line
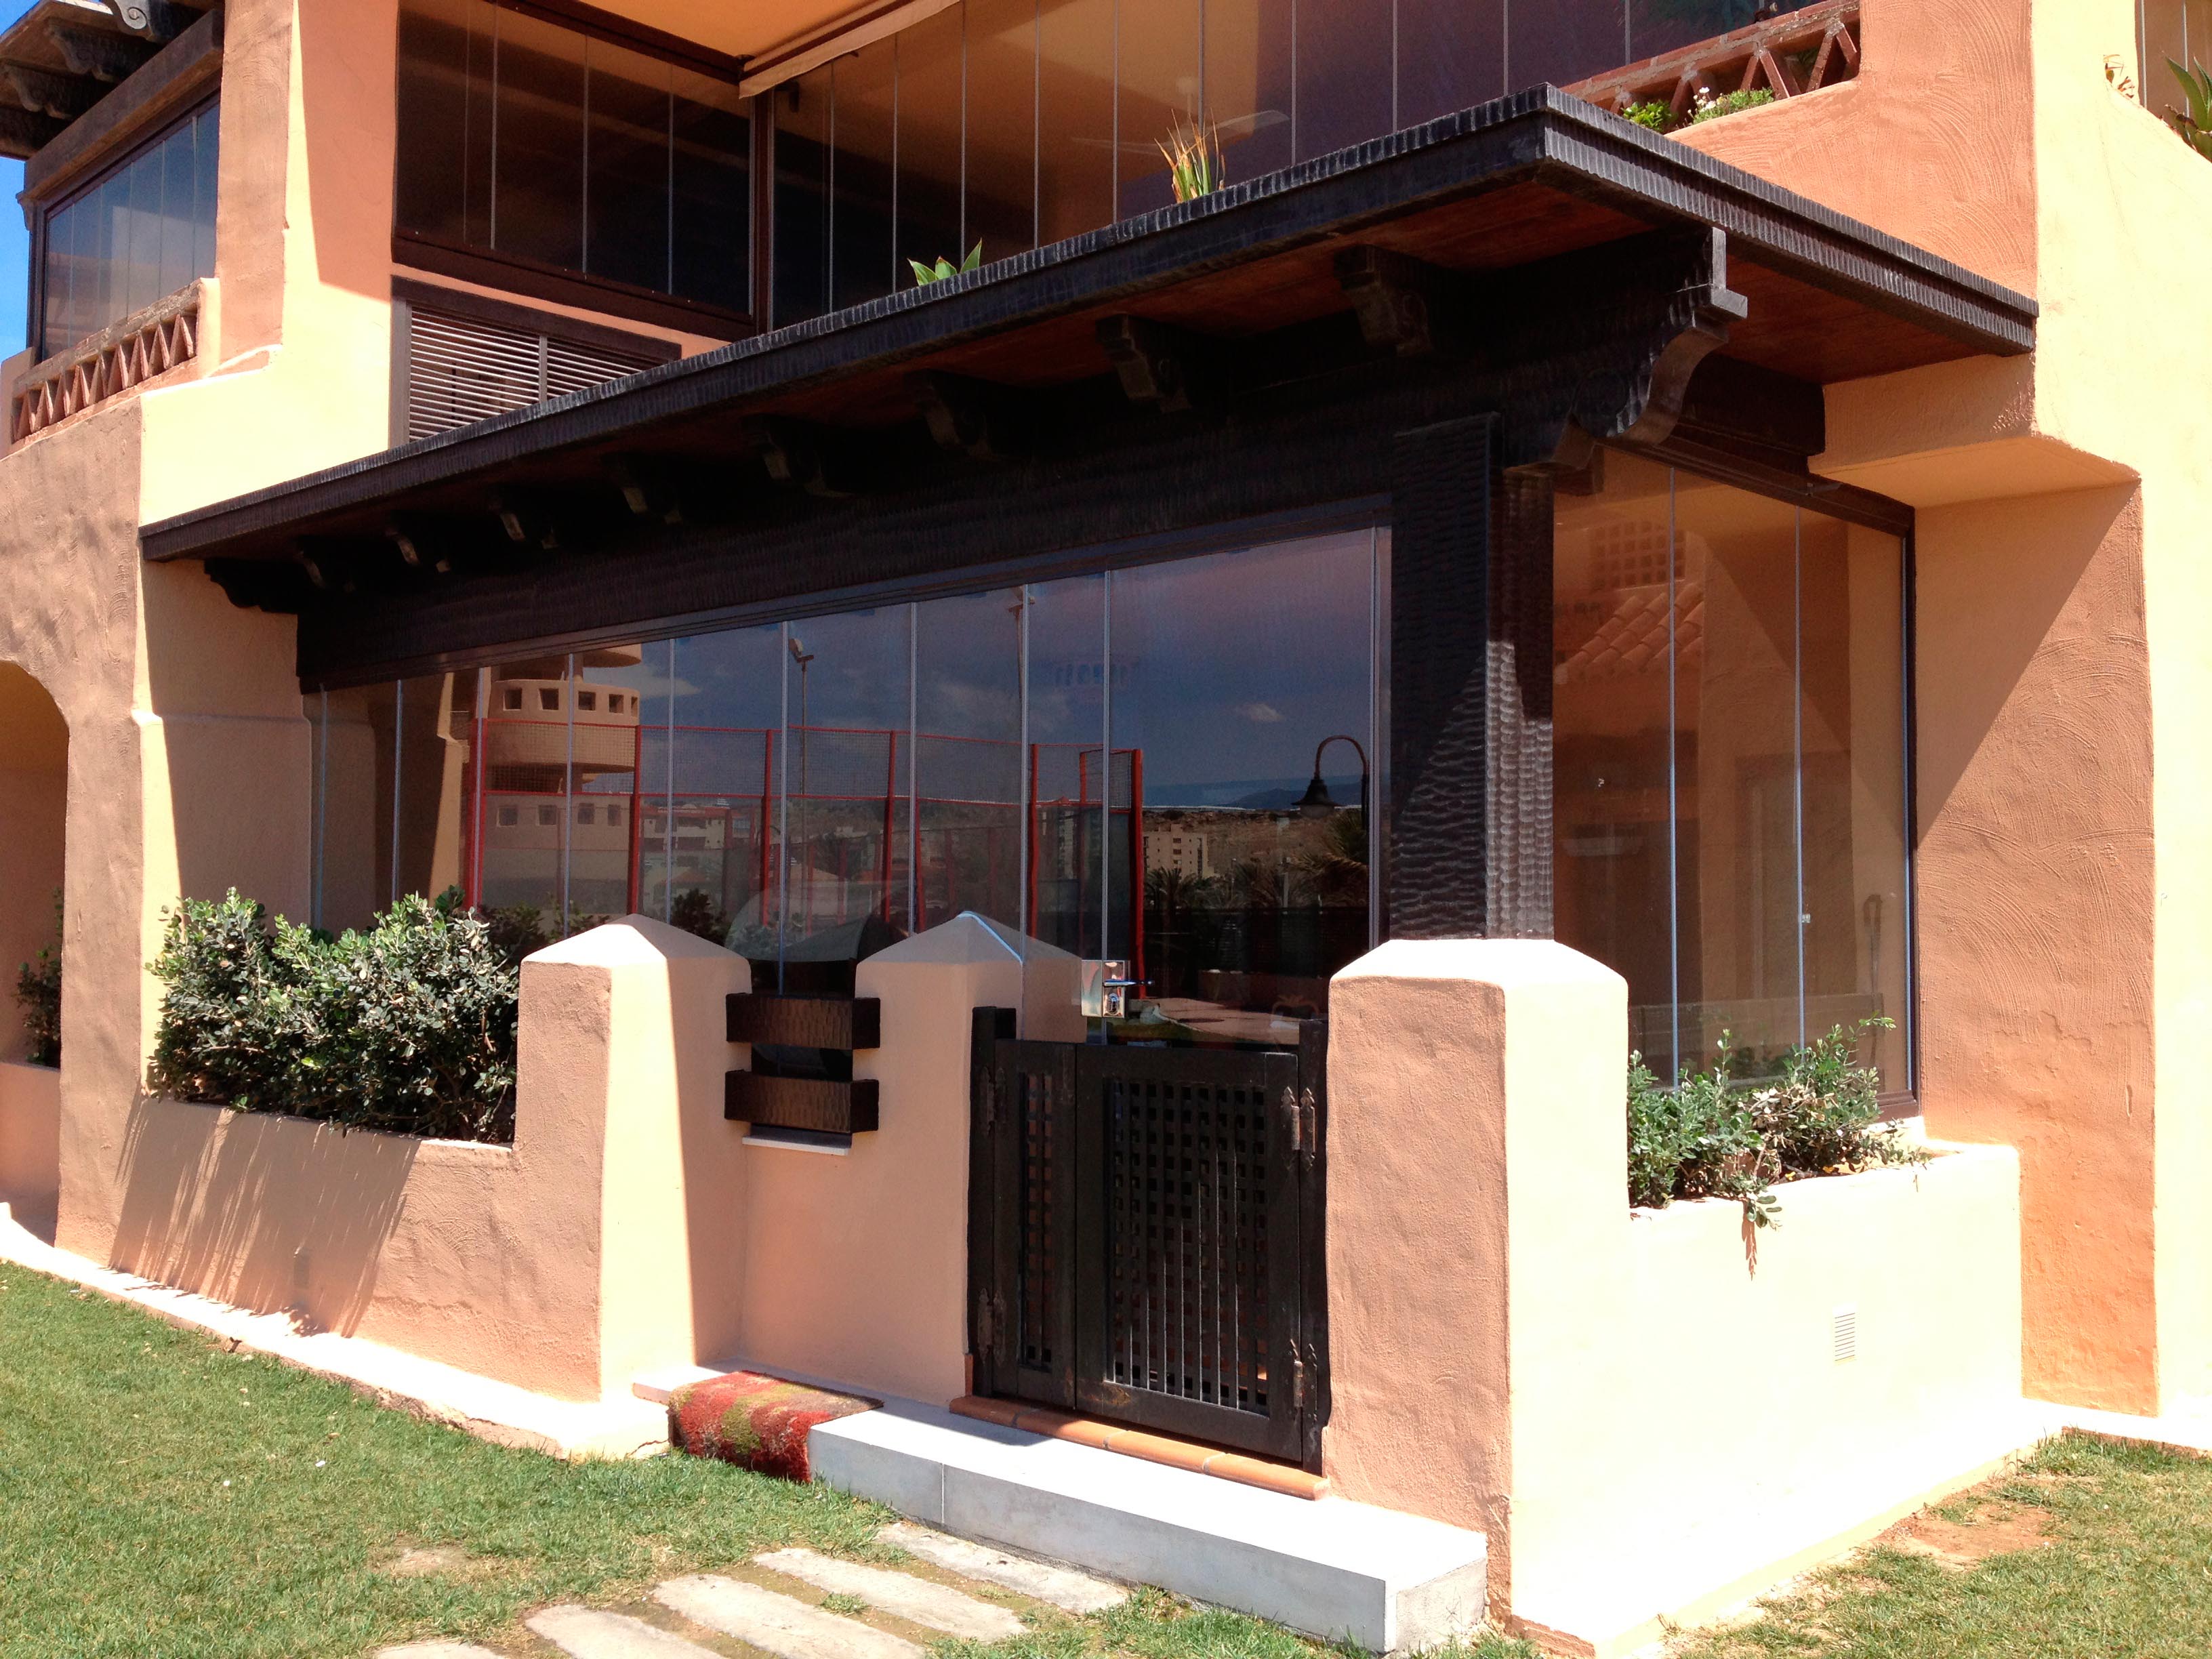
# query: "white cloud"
[1260,713]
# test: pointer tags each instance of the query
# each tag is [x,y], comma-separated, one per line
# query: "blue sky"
[15,242]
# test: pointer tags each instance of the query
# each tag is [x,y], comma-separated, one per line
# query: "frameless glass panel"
[1244,687]
[800,244]
[1451,55]
[1662,26]
[430,778]
[143,283]
[931,123]
[1562,41]
[1854,812]
[1346,71]
[1737,771]
[206,154]
[848,720]
[862,175]
[538,197]
[1001,155]
[1248,84]
[351,754]
[609,771]
[968,756]
[719,838]
[444,80]
[626,200]
[711,180]
[1076,133]
[178,230]
[521,821]
[1161,91]
[1619,602]
[1066,683]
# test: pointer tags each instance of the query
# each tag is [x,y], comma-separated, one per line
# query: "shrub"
[1711,106]
[1711,1135]
[409,1026]
[1658,116]
[39,995]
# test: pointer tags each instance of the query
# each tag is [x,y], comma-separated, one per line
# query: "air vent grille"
[461,369]
[1846,1333]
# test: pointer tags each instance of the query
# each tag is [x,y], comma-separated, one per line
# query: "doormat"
[754,1421]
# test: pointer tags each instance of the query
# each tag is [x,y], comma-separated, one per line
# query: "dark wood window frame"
[536,279]
[43,210]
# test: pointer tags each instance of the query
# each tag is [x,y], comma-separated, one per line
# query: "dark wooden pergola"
[1438,330]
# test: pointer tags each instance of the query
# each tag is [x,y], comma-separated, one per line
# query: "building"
[1758,558]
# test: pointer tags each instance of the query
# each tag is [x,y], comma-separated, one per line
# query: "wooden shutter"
[461,368]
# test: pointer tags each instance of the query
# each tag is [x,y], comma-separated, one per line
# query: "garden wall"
[1646,1411]
[30,1144]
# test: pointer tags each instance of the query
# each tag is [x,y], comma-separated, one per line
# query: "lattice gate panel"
[1187,1303]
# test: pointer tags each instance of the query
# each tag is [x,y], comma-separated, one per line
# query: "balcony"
[1802,52]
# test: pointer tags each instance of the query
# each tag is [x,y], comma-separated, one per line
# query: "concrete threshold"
[497,1411]
[1332,1568]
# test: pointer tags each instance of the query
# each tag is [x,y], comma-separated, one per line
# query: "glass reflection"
[931,124]
[1075,131]
[1249,56]
[1345,76]
[862,163]
[720,831]
[1001,126]
[801,242]
[1158,85]
[968,759]
[1067,688]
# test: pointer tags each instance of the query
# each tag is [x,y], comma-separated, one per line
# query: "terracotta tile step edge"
[1152,1447]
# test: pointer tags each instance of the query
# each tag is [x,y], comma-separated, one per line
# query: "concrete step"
[901,1595]
[1335,1569]
[587,1633]
[777,1624]
[1041,1581]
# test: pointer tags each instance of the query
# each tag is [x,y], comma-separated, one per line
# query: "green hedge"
[408,1027]
[39,995]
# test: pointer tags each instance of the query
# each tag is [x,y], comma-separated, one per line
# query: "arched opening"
[33,802]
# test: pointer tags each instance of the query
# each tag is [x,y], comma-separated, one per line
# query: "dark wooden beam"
[973,417]
[650,487]
[800,454]
[1171,368]
[1404,304]
[101,53]
[177,76]
[1760,414]
[24,133]
[64,97]
[525,518]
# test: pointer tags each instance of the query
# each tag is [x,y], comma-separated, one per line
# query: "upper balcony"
[683,184]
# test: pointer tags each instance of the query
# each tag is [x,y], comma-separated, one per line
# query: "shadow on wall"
[33,807]
[266,1212]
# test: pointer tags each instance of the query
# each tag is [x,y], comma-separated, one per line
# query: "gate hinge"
[1308,1138]
[1298,1379]
[1293,1120]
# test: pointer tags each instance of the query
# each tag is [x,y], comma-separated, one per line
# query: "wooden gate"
[1146,1235]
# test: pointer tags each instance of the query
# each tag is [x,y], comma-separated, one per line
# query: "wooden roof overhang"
[1246,354]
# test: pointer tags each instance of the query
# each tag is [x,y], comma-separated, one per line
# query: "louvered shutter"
[462,368]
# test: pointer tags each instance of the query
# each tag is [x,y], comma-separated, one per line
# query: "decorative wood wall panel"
[146,344]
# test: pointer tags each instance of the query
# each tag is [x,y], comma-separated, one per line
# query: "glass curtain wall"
[1731,771]
[518,136]
[1012,124]
[142,233]
[1177,764]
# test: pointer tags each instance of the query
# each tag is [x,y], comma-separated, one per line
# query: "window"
[1177,764]
[1730,790]
[587,702]
[141,232]
[511,699]
[560,151]
[1013,123]
[549,699]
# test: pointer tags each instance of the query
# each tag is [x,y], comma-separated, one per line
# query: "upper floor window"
[554,150]
[138,234]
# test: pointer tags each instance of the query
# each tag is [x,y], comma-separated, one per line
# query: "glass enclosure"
[520,137]
[145,230]
[2171,31]
[1010,124]
[1731,766]
[1172,764]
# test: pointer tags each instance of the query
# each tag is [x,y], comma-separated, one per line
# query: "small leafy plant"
[2194,124]
[1193,157]
[1653,113]
[1714,1135]
[944,270]
[1709,106]
[39,995]
[408,1026]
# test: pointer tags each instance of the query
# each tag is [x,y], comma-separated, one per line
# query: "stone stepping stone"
[901,1595]
[586,1633]
[1061,1587]
[776,1624]
[437,1651]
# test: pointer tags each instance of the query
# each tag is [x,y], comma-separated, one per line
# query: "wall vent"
[452,366]
[1846,1333]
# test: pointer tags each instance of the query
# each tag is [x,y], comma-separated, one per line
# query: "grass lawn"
[2089,1551]
[163,1499]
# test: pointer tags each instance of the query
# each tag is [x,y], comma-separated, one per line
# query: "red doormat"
[754,1421]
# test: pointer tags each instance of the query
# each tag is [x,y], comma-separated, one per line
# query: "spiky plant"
[944,270]
[1194,158]
[2195,123]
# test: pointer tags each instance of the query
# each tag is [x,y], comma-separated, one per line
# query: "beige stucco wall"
[30,1144]
[1643,1411]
